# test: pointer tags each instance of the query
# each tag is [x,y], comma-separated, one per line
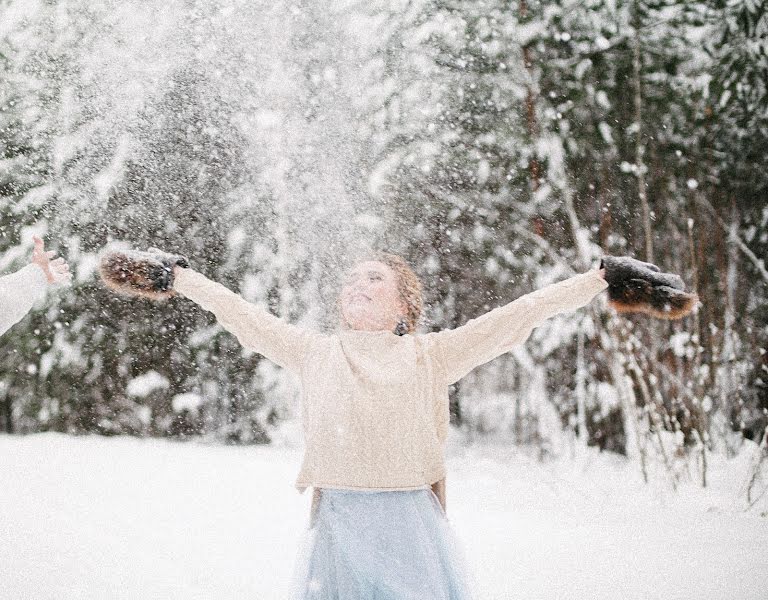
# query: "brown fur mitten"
[145,274]
[636,286]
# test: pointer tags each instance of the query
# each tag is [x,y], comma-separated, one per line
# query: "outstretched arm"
[20,290]
[254,327]
[462,349]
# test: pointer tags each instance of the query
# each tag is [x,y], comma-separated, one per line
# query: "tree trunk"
[702,421]
[581,392]
[534,167]
[640,165]
[8,415]
[726,379]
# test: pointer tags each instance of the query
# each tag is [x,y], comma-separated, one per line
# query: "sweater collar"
[358,333]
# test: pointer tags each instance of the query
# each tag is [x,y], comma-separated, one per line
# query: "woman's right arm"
[254,327]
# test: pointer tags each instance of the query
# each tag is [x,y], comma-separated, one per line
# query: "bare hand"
[56,269]
[601,272]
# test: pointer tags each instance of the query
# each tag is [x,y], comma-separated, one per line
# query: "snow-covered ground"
[96,518]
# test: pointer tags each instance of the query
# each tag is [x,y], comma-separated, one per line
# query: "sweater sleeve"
[462,349]
[254,327]
[18,292]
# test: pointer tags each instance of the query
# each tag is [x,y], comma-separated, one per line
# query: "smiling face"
[370,299]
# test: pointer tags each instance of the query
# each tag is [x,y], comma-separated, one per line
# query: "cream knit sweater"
[375,405]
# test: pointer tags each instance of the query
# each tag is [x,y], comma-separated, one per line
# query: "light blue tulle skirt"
[380,546]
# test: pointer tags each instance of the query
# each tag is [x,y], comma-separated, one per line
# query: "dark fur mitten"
[636,286]
[145,274]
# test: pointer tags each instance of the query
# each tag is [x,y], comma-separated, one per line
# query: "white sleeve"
[255,328]
[18,292]
[462,349]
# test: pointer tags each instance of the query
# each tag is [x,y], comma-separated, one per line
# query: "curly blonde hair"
[409,287]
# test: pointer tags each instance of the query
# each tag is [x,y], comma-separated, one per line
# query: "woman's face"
[370,300]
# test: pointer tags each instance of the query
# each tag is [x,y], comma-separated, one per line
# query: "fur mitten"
[146,274]
[636,286]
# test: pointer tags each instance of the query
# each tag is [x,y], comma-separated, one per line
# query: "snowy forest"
[497,146]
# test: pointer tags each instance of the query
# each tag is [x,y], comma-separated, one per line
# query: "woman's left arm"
[462,349]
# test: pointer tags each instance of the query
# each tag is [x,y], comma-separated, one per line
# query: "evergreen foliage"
[498,146]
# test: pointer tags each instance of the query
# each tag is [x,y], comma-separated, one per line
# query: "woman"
[20,290]
[375,417]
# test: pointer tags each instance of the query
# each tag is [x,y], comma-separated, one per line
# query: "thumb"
[39,244]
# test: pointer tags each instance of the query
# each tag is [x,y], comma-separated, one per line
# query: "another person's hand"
[56,269]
